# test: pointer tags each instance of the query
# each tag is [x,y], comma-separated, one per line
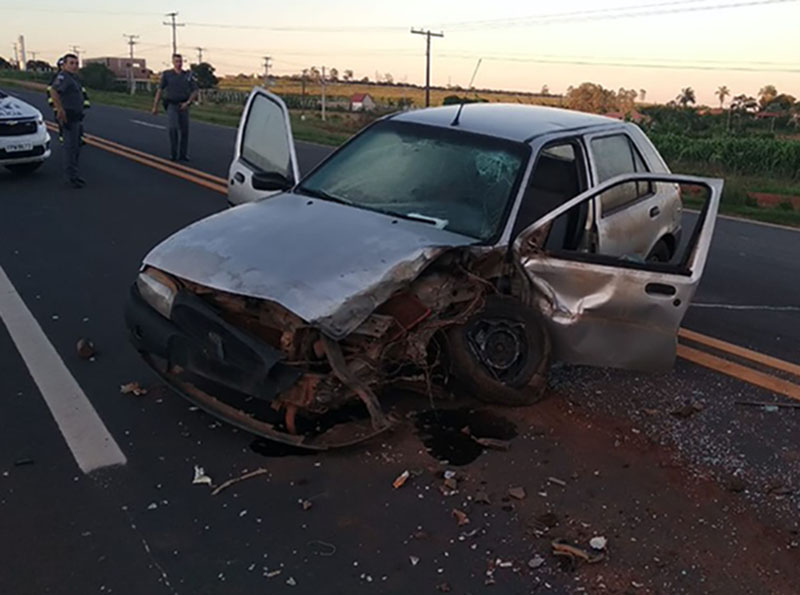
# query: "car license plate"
[18,147]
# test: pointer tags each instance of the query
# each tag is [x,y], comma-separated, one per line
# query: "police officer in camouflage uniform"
[68,99]
[178,88]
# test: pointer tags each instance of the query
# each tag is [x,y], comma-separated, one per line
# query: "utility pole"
[172,23]
[131,80]
[23,58]
[266,70]
[199,54]
[428,36]
[322,81]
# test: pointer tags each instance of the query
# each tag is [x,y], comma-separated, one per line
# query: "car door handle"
[660,289]
[655,212]
[238,177]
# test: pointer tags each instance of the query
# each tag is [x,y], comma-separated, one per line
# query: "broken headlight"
[158,290]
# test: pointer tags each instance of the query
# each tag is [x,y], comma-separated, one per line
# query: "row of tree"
[769,100]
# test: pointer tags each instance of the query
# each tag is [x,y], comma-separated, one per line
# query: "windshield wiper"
[323,195]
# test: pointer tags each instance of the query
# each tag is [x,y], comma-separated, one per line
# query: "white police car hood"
[14,109]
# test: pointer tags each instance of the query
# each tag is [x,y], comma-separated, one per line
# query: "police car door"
[264,160]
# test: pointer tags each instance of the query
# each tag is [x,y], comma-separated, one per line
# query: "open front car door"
[605,307]
[264,160]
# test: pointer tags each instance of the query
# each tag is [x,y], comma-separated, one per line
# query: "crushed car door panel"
[264,155]
[605,310]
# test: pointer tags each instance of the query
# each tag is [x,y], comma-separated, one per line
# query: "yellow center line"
[743,352]
[749,375]
[733,369]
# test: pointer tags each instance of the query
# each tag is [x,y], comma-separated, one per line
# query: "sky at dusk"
[521,44]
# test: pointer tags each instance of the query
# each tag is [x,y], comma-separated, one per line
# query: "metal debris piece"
[503,563]
[598,543]
[493,443]
[305,504]
[461,516]
[414,560]
[449,474]
[557,481]
[230,482]
[152,506]
[291,582]
[85,348]
[535,562]
[401,479]
[132,388]
[517,492]
[562,548]
[200,476]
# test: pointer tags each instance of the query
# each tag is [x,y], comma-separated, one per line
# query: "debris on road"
[291,582]
[598,543]
[273,573]
[414,560]
[200,476]
[132,388]
[85,348]
[305,504]
[766,404]
[482,497]
[235,480]
[687,410]
[401,479]
[557,481]
[493,443]
[152,506]
[517,492]
[461,516]
[565,549]
[322,548]
[449,474]
[22,462]
[535,562]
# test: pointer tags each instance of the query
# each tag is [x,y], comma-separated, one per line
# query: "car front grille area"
[17,127]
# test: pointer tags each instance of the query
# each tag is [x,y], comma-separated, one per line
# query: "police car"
[24,140]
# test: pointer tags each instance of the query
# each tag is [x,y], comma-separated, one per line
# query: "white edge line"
[750,221]
[149,125]
[91,443]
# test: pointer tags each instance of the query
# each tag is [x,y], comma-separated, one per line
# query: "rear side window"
[615,155]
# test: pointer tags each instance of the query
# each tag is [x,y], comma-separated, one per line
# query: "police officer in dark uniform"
[179,89]
[59,66]
[68,98]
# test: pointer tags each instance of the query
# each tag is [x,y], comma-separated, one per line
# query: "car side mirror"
[271,181]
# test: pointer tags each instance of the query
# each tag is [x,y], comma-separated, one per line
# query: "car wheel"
[660,252]
[24,168]
[501,354]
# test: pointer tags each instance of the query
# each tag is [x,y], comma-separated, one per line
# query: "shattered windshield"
[454,180]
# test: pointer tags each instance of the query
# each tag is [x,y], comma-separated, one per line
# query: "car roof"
[505,120]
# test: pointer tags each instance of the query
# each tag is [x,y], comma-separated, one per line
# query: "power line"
[617,13]
[290,29]
[428,36]
[174,26]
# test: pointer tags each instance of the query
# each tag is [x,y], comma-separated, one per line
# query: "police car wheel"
[24,168]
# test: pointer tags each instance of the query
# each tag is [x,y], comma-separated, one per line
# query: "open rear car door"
[264,160]
[616,310]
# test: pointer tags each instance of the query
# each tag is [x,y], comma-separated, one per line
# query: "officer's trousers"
[178,122]
[73,131]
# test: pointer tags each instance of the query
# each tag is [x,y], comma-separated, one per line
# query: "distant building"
[122,68]
[362,102]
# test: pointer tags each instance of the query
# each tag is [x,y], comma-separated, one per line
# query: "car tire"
[24,168]
[501,354]
[660,253]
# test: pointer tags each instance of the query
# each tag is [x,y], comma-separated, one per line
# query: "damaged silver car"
[462,247]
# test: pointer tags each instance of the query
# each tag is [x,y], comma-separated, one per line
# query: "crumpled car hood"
[12,108]
[330,264]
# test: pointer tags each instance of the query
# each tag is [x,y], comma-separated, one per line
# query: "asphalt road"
[726,475]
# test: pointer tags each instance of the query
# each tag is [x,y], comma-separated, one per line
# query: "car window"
[265,140]
[615,155]
[455,180]
[555,179]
